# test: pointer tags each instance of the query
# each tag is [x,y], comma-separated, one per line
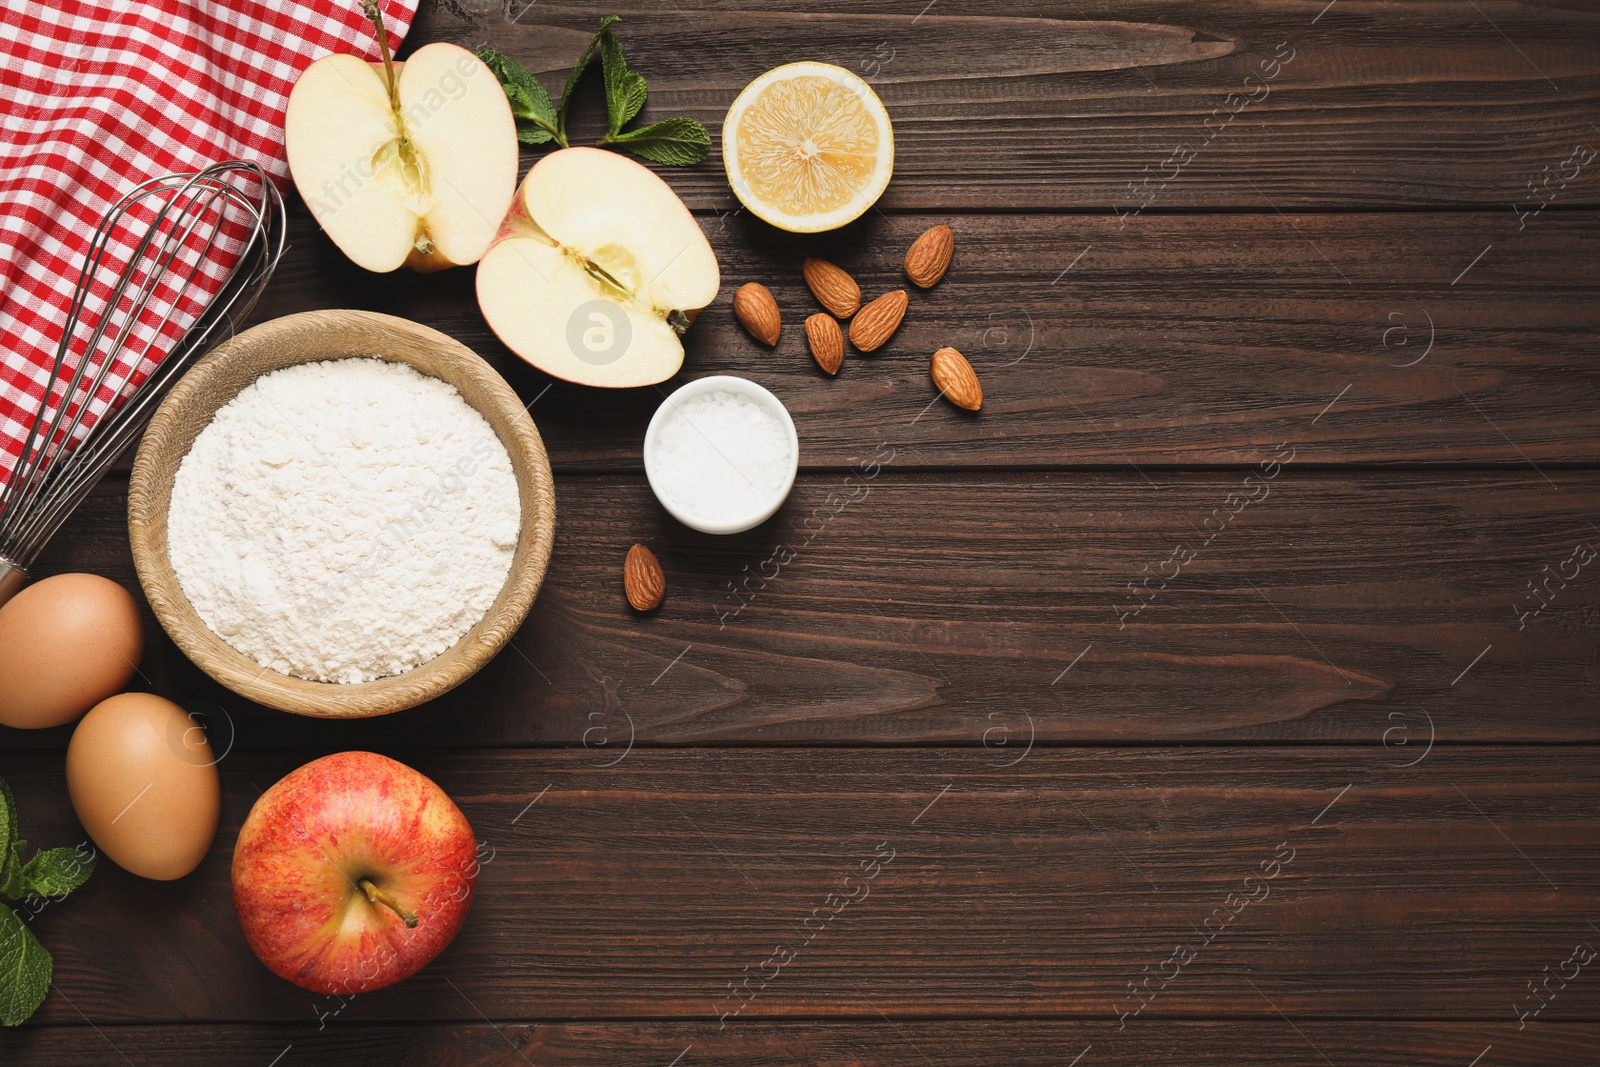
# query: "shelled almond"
[827,341]
[642,579]
[877,322]
[929,256]
[957,380]
[757,309]
[870,326]
[833,287]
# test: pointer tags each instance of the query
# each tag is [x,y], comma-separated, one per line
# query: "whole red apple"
[352,873]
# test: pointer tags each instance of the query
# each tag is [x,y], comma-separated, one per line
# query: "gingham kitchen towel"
[99,95]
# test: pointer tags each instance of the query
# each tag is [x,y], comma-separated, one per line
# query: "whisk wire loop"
[100,402]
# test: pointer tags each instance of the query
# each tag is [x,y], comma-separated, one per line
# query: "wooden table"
[1192,697]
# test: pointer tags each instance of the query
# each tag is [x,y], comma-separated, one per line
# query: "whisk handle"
[12,579]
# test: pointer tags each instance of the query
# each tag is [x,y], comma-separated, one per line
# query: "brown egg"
[144,784]
[66,643]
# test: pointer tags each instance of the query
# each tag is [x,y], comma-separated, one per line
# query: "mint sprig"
[25,965]
[677,142]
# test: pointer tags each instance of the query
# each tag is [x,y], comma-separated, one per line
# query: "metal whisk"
[189,214]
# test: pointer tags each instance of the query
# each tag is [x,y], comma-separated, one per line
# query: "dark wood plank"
[1044,888]
[1352,607]
[1171,341]
[1383,104]
[859,1042]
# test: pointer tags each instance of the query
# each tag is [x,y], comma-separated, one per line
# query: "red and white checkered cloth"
[98,95]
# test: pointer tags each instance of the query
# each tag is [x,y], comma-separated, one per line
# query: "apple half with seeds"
[405,164]
[597,271]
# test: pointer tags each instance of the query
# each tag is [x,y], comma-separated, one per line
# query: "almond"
[878,321]
[642,579]
[929,256]
[758,311]
[956,379]
[833,288]
[827,341]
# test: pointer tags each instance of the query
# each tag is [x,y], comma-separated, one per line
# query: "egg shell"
[66,643]
[144,784]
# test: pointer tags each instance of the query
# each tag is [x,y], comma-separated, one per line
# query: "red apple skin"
[309,841]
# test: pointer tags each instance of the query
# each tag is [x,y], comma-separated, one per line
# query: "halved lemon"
[808,147]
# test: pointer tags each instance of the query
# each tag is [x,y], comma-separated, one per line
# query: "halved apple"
[419,173]
[596,271]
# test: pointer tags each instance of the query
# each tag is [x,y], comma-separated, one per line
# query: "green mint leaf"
[25,970]
[633,96]
[8,818]
[614,71]
[677,142]
[58,871]
[625,89]
[530,103]
[577,75]
[11,846]
[525,92]
[521,102]
[12,885]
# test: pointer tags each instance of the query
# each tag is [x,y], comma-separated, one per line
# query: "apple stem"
[379,896]
[376,17]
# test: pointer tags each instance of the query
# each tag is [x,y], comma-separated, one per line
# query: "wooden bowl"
[317,335]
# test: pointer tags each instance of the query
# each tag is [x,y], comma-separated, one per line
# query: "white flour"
[344,520]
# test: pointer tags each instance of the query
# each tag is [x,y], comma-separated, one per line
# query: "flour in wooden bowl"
[344,520]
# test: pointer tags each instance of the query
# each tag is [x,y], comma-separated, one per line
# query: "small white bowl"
[760,510]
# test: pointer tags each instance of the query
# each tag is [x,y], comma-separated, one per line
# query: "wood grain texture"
[1170,341]
[857,1042]
[899,609]
[1043,888]
[1170,267]
[303,338]
[1383,104]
